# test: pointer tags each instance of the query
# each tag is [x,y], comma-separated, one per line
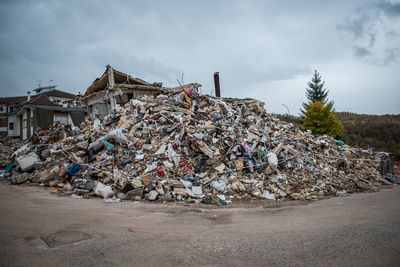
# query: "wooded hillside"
[379,131]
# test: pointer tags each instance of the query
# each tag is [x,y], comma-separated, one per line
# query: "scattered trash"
[112,200]
[341,193]
[391,178]
[54,191]
[268,195]
[190,147]
[222,197]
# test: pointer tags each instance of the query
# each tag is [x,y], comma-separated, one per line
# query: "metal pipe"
[216,83]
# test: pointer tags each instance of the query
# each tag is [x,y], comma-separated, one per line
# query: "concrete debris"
[27,162]
[152,195]
[103,190]
[209,150]
[135,194]
[21,178]
[295,196]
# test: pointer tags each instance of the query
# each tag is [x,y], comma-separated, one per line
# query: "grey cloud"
[372,39]
[391,33]
[263,49]
[355,26]
[391,55]
[373,30]
[389,8]
[361,52]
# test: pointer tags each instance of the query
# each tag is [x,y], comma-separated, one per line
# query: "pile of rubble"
[193,147]
[7,147]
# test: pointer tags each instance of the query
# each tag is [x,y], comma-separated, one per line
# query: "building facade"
[20,116]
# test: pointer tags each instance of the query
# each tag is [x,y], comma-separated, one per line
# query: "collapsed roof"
[123,81]
[103,82]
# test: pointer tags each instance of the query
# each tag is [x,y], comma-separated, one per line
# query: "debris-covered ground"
[7,147]
[195,148]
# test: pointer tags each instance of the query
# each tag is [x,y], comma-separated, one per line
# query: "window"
[61,117]
[139,95]
[11,126]
[103,109]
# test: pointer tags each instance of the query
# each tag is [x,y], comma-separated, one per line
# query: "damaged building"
[22,115]
[115,88]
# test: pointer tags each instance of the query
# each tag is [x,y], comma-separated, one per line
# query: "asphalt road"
[41,229]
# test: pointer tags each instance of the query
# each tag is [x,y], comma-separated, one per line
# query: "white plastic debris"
[187,184]
[168,164]
[220,168]
[112,200]
[199,135]
[251,136]
[96,124]
[272,160]
[173,156]
[139,157]
[219,186]
[103,190]
[21,150]
[117,135]
[197,190]
[161,150]
[268,195]
[135,102]
[222,197]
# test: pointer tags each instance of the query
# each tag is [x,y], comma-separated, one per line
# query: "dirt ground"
[42,229]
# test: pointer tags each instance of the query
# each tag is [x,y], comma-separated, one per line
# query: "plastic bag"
[117,135]
[104,190]
[272,160]
[219,186]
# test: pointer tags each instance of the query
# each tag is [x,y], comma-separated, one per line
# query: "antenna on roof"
[39,83]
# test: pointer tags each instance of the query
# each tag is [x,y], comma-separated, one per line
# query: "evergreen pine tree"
[315,92]
[318,114]
[321,119]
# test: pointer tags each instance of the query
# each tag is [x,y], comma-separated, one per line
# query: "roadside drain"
[63,238]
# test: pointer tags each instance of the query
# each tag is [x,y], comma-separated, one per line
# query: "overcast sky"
[263,49]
